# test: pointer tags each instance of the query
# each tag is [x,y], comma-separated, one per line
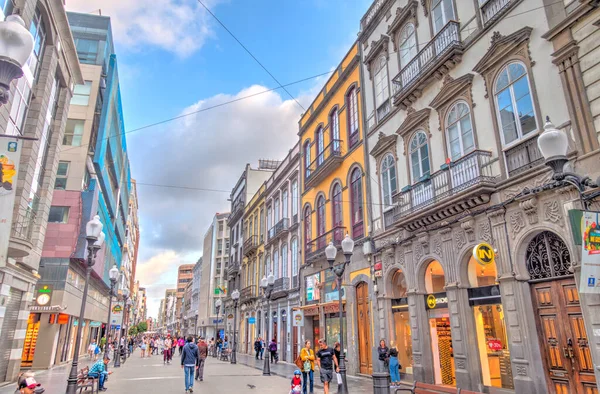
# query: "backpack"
[97,349]
[273,347]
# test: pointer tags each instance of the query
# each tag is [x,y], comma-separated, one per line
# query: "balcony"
[295,222]
[20,236]
[238,208]
[435,59]
[327,161]
[492,10]
[282,227]
[522,157]
[233,268]
[462,185]
[295,281]
[248,293]
[250,245]
[315,249]
[281,287]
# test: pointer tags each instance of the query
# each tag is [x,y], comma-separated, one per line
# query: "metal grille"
[9,325]
[547,256]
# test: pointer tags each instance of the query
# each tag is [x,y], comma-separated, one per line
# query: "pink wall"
[61,238]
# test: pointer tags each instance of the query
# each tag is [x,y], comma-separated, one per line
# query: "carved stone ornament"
[552,211]
[496,36]
[384,143]
[403,14]
[530,207]
[461,363]
[424,240]
[437,246]
[536,182]
[459,239]
[425,5]
[378,47]
[468,224]
[418,252]
[521,370]
[387,258]
[517,223]
[400,256]
[383,242]
[485,231]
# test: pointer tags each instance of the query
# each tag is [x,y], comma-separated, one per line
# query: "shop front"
[401,331]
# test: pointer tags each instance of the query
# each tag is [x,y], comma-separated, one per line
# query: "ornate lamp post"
[112,275]
[218,307]
[95,239]
[267,284]
[16,45]
[118,350]
[331,253]
[235,296]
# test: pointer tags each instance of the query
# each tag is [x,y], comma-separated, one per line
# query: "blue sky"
[174,58]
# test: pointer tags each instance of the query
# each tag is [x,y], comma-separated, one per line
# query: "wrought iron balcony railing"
[317,246]
[326,161]
[522,157]
[250,244]
[248,292]
[22,226]
[281,284]
[278,229]
[493,9]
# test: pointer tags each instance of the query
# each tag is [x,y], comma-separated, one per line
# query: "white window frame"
[418,149]
[459,127]
[391,187]
[401,43]
[61,176]
[382,81]
[445,18]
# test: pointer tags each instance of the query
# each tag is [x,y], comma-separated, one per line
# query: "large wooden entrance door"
[564,342]
[364,328]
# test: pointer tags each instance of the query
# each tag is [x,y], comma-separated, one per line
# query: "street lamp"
[118,349]
[553,145]
[218,308]
[267,284]
[331,253]
[16,45]
[95,239]
[235,296]
[112,275]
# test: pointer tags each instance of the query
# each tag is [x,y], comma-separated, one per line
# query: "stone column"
[527,366]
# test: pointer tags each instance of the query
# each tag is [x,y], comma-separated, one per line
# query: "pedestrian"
[98,371]
[181,344]
[257,347]
[130,344]
[296,382]
[394,366]
[92,349]
[151,346]
[102,342]
[273,350]
[307,355]
[167,351]
[326,360]
[27,385]
[219,345]
[189,362]
[383,352]
[262,348]
[337,349]
[174,346]
[143,347]
[202,354]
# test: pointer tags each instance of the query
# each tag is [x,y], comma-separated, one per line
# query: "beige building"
[185,274]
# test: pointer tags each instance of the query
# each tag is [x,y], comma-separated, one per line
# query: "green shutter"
[575,217]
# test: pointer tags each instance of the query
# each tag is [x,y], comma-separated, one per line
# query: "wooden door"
[364,328]
[564,342]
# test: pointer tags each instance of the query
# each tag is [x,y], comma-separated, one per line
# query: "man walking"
[202,354]
[167,353]
[98,371]
[189,360]
[325,360]
[257,347]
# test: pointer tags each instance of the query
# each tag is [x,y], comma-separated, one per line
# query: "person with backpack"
[189,363]
[307,356]
[273,350]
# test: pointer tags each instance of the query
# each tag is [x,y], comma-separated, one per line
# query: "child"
[296,383]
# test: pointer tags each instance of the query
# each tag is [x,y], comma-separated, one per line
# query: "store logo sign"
[439,300]
[484,254]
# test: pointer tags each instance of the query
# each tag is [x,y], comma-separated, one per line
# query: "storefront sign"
[494,344]
[95,324]
[63,318]
[331,287]
[251,320]
[46,308]
[436,301]
[483,253]
[590,253]
[313,292]
[76,323]
[298,318]
[10,152]
[116,314]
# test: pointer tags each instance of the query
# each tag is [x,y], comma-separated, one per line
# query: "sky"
[174,59]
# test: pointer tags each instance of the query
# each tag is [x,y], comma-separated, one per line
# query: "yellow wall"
[308,126]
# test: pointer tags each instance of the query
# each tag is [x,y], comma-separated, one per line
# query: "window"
[276,211]
[58,215]
[294,198]
[284,261]
[320,216]
[276,264]
[388,180]
[419,156]
[220,227]
[459,131]
[356,203]
[61,175]
[294,250]
[284,200]
[73,132]
[320,137]
[514,104]
[382,88]
[442,11]
[262,223]
[267,269]
[407,44]
[255,226]
[336,199]
[269,217]
[81,94]
[6,8]
[38,31]
[87,50]
[307,228]
[334,127]
[18,109]
[307,159]
[352,110]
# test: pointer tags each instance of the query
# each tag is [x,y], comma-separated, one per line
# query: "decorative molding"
[511,192]
[425,4]
[461,363]
[552,211]
[423,238]
[400,256]
[419,252]
[485,232]
[530,207]
[383,144]
[380,46]
[468,224]
[517,223]
[500,47]
[413,120]
[403,14]
[521,370]
[460,239]
[437,246]
[451,89]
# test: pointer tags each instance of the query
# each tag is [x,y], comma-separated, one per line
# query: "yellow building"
[252,269]
[334,181]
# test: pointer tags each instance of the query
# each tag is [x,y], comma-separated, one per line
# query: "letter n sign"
[483,253]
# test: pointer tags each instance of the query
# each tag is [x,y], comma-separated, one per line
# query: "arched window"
[435,280]
[356,202]
[399,287]
[442,11]
[407,44]
[307,229]
[307,159]
[547,256]
[320,222]
[284,261]
[276,211]
[336,209]
[382,87]
[352,111]
[388,179]
[294,250]
[459,131]
[276,264]
[514,103]
[334,126]
[419,156]
[38,31]
[320,137]
[295,198]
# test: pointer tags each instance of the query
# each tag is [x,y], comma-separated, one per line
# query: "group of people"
[193,357]
[389,358]
[326,359]
[259,348]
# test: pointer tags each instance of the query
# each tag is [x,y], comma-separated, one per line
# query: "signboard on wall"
[116,314]
[590,253]
[10,153]
[313,283]
[331,287]
[298,318]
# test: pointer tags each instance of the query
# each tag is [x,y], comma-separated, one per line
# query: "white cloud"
[178,26]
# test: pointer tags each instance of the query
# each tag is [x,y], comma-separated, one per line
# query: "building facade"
[334,203]
[195,302]
[169,318]
[455,95]
[185,274]
[282,256]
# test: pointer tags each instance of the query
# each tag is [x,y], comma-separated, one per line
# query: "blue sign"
[113,327]
[251,320]
[591,281]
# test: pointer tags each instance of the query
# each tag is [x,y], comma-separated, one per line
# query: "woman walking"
[143,347]
[307,355]
[273,350]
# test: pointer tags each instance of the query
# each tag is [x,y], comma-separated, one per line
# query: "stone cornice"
[383,143]
[403,14]
[450,89]
[377,47]
[501,47]
[413,120]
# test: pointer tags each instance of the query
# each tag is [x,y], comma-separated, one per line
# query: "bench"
[425,388]
[85,382]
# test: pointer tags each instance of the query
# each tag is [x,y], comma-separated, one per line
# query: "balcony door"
[320,146]
[442,11]
[321,241]
[459,133]
[422,190]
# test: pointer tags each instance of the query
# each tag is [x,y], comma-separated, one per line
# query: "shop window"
[434,278]
[403,334]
